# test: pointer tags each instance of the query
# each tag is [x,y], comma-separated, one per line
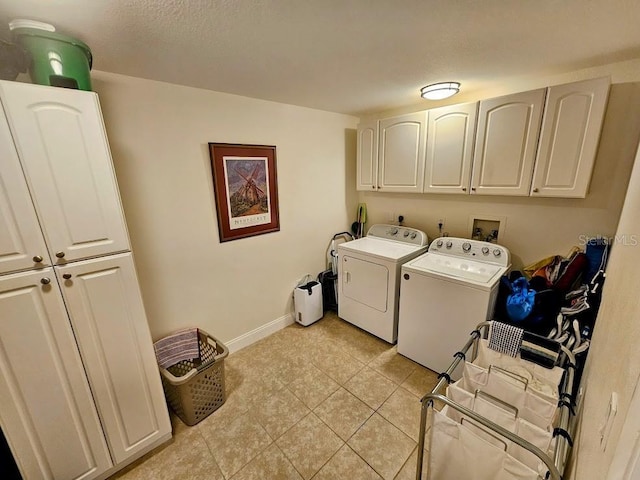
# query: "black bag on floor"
[328,281]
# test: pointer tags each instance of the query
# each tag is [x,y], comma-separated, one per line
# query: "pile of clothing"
[557,297]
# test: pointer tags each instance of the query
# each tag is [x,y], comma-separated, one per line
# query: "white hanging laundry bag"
[458,453]
[507,417]
[545,380]
[527,386]
[533,406]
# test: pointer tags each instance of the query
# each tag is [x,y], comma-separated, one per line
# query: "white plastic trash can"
[307,301]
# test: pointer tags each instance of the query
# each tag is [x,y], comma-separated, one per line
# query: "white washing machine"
[369,277]
[445,293]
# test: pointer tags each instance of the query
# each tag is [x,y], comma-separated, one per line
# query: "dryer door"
[365,282]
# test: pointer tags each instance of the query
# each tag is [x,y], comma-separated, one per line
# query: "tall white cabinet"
[47,410]
[80,394]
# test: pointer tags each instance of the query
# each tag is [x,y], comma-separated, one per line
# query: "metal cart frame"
[565,424]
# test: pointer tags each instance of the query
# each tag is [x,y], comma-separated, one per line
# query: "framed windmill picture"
[246,189]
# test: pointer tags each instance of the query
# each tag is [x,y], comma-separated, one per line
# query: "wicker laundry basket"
[195,388]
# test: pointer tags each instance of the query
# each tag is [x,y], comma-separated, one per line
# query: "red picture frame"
[245,189]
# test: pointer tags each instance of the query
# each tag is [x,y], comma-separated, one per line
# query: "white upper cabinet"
[59,136]
[506,143]
[367,163]
[21,244]
[571,127]
[46,407]
[450,134]
[107,315]
[512,145]
[401,153]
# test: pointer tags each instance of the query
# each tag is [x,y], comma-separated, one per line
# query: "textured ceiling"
[349,56]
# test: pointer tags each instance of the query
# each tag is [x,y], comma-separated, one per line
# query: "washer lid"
[383,249]
[459,268]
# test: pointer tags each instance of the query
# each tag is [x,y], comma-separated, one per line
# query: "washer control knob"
[439,243]
[393,231]
[466,246]
[449,244]
[406,233]
[414,235]
[497,252]
[485,250]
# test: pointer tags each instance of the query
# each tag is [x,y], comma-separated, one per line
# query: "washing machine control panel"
[399,234]
[474,249]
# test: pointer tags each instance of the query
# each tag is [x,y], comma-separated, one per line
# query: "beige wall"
[158,135]
[614,360]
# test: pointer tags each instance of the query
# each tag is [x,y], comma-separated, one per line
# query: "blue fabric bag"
[521,300]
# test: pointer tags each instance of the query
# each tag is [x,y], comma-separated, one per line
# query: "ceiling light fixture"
[438,91]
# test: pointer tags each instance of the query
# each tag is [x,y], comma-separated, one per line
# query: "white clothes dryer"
[369,277]
[445,293]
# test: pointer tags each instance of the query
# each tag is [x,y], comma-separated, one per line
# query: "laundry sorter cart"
[505,419]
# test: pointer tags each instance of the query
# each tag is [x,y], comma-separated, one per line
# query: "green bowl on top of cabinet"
[80,394]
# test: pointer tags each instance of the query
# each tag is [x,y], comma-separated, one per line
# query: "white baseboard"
[259,333]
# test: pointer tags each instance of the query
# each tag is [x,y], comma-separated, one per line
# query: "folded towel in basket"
[505,338]
[177,347]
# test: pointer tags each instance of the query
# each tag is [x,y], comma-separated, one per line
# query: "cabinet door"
[21,241]
[450,134]
[107,314]
[571,126]
[367,162]
[506,143]
[46,408]
[62,144]
[401,153]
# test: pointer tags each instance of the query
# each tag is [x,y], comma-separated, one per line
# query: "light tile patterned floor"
[328,401]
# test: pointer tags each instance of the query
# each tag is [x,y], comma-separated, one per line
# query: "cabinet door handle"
[535,190]
[45,281]
[464,189]
[373,187]
[66,276]
[38,259]
[473,189]
[60,254]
